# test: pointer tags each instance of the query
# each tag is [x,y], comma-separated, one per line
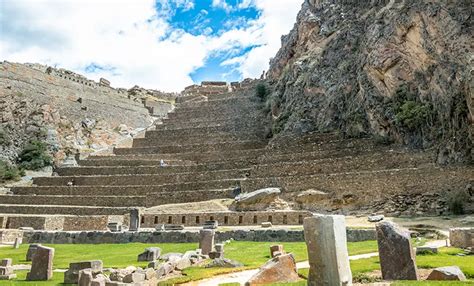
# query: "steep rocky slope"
[400,71]
[68,111]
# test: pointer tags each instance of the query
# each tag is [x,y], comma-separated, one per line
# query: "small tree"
[261,90]
[34,156]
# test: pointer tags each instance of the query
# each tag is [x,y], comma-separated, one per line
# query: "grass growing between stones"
[255,254]
[445,257]
[251,254]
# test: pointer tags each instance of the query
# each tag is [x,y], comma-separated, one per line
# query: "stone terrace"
[213,147]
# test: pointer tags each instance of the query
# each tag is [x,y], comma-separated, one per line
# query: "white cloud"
[134,38]
[221,4]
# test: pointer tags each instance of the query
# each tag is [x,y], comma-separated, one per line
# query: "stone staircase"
[207,148]
[215,148]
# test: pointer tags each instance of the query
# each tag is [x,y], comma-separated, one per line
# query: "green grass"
[58,279]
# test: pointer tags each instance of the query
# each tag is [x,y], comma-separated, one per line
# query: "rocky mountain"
[69,112]
[399,70]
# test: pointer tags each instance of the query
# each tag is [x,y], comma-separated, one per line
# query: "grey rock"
[224,262]
[42,264]
[447,273]
[397,258]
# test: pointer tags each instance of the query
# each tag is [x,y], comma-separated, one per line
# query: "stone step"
[221,146]
[150,169]
[193,139]
[217,102]
[118,161]
[366,162]
[219,130]
[209,116]
[218,107]
[114,191]
[172,125]
[75,200]
[368,184]
[64,210]
[199,157]
[135,180]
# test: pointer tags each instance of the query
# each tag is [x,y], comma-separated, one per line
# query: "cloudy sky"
[161,44]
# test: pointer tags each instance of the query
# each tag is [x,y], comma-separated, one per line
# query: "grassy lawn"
[446,257]
[251,254]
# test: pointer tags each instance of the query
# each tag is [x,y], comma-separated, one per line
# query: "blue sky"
[160,44]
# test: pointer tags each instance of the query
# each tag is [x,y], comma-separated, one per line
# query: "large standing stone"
[71,276]
[462,237]
[31,251]
[397,257]
[447,273]
[206,240]
[42,264]
[327,250]
[281,269]
[150,254]
[134,220]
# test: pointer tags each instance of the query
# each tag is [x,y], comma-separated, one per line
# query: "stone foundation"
[9,235]
[98,237]
[58,223]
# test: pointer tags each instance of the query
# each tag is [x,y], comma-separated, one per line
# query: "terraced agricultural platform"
[214,148]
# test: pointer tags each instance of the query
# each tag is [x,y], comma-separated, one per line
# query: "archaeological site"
[349,161]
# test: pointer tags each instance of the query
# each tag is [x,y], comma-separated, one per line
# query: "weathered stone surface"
[266,224]
[150,254]
[257,200]
[224,262]
[99,280]
[375,218]
[71,276]
[165,269]
[447,273]
[206,240]
[6,270]
[397,257]
[85,277]
[134,277]
[327,250]
[462,237]
[134,220]
[281,269]
[42,264]
[276,250]
[210,224]
[5,262]
[31,251]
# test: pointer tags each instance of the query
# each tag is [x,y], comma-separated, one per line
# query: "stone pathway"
[243,276]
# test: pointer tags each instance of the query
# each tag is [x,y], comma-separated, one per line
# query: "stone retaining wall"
[98,237]
[57,223]
[227,218]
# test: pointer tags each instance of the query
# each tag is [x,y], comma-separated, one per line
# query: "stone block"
[31,251]
[326,242]
[8,277]
[6,262]
[71,276]
[6,270]
[461,237]
[426,249]
[150,254]
[99,280]
[447,273]
[397,257]
[134,220]
[134,277]
[42,264]
[211,224]
[281,269]
[266,224]
[206,240]
[85,277]
[274,249]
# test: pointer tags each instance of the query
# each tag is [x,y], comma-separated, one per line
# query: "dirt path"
[243,276]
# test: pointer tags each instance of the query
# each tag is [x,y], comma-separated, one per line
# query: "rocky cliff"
[400,71]
[69,112]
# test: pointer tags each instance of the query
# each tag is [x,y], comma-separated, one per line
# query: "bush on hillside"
[261,91]
[412,115]
[9,172]
[34,156]
[456,202]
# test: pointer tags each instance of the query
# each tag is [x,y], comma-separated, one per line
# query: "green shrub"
[9,172]
[412,114]
[261,91]
[34,156]
[456,201]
